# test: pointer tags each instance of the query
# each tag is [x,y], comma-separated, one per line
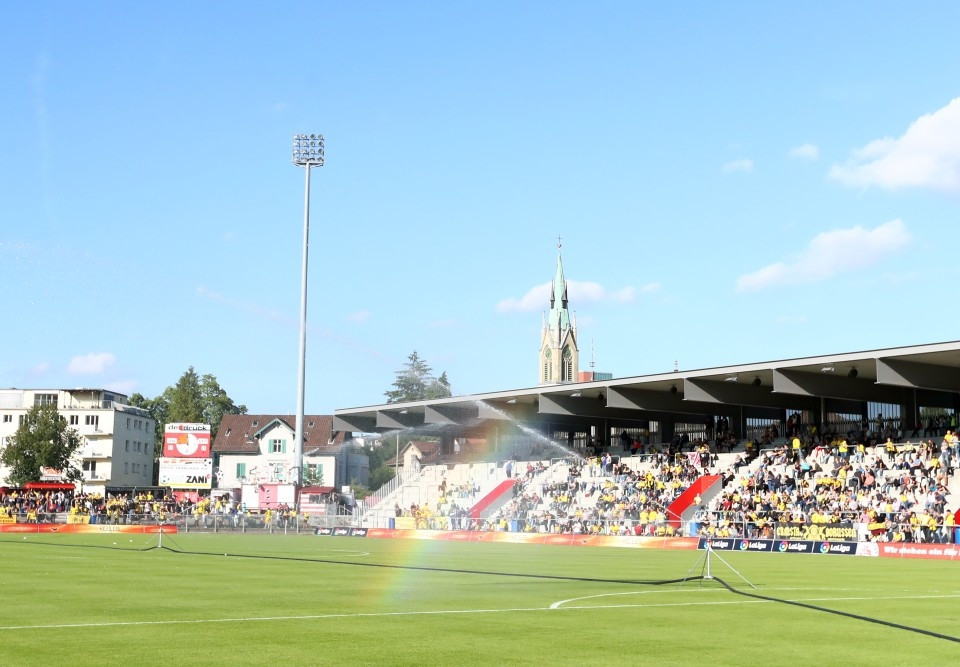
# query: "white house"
[117,438]
[260,449]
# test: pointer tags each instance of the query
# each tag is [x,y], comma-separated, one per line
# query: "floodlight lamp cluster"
[308,150]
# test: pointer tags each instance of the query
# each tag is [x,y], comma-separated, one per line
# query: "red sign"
[186,441]
[914,550]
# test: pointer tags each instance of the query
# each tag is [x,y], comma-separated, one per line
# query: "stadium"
[784,511]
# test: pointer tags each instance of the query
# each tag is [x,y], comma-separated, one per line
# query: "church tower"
[559,355]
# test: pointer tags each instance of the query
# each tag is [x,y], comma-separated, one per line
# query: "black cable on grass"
[82,546]
[422,568]
[555,577]
[868,619]
[426,568]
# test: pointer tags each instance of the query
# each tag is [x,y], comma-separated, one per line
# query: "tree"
[439,388]
[415,382]
[216,403]
[43,440]
[194,399]
[377,454]
[158,409]
[185,399]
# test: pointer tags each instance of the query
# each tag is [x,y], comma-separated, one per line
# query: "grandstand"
[859,442]
[885,491]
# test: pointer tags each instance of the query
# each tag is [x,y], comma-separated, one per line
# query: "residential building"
[260,449]
[117,438]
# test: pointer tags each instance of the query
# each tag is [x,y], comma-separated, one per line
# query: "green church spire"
[559,319]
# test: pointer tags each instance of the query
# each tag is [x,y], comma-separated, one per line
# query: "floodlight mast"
[307,153]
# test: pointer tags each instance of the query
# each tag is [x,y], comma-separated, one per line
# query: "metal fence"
[209,523]
[711,525]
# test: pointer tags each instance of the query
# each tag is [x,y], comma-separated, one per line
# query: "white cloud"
[926,156]
[93,363]
[580,293]
[650,288]
[359,317]
[744,165]
[805,152]
[536,298]
[830,253]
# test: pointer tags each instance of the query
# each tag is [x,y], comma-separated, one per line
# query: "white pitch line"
[438,612]
[557,605]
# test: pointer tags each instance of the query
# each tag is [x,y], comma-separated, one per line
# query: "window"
[9,418]
[45,399]
[314,473]
[241,470]
[126,467]
[128,422]
[92,420]
[74,420]
[277,446]
[23,418]
[127,448]
[566,366]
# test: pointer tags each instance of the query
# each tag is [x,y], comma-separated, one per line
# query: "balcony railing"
[96,453]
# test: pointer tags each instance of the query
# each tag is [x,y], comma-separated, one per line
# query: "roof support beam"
[913,374]
[510,413]
[656,401]
[449,414]
[561,405]
[357,423]
[832,386]
[734,393]
[391,420]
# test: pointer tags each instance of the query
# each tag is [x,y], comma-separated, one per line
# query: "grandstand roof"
[911,377]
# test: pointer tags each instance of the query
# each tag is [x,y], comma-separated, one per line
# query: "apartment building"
[117,438]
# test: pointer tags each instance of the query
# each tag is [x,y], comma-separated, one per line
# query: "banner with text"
[834,532]
[186,473]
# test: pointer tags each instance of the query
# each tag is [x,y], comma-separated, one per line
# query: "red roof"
[236,432]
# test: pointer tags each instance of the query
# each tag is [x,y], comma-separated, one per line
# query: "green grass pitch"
[306,600]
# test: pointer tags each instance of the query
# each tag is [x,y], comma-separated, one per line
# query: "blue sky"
[733,182]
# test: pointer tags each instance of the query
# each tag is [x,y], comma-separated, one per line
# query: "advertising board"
[186,473]
[186,441]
